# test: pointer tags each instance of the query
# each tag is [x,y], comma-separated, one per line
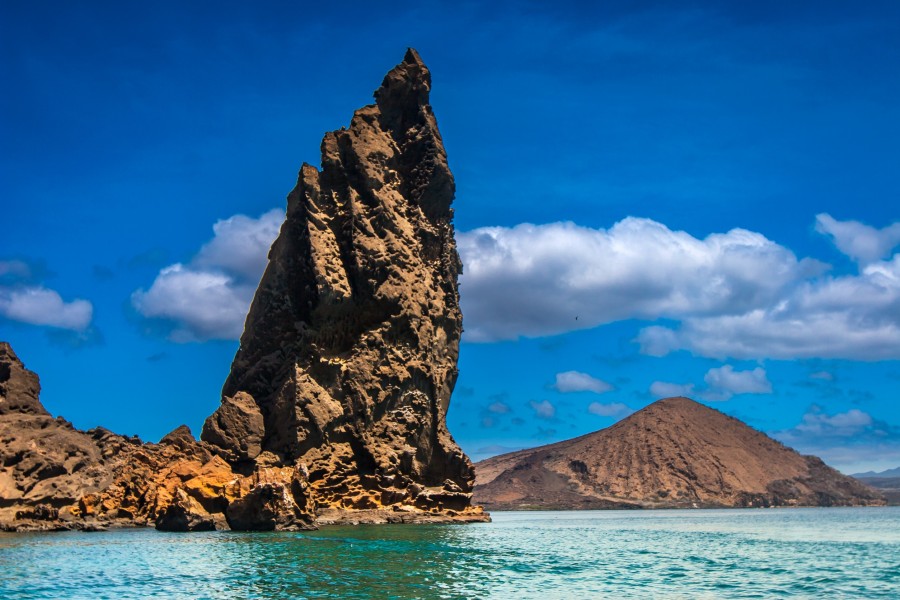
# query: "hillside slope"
[673,453]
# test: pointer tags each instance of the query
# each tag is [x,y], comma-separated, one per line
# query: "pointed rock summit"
[349,351]
[673,453]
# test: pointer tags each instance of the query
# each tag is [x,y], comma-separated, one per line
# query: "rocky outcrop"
[20,389]
[45,463]
[349,351]
[55,477]
[337,397]
[674,453]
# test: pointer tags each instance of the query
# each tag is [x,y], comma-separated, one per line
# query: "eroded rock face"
[337,398]
[673,453]
[348,357]
[55,477]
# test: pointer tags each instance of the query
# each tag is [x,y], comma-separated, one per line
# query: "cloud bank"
[735,294]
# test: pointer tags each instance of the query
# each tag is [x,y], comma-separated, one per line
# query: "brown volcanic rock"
[674,453]
[348,356]
[337,397]
[20,389]
[53,476]
[45,463]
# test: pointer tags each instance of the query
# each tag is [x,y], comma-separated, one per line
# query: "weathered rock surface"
[349,351]
[337,397]
[674,453]
[54,477]
[45,463]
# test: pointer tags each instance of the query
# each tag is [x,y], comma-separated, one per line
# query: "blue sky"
[711,189]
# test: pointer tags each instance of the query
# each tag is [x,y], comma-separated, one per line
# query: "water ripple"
[798,553]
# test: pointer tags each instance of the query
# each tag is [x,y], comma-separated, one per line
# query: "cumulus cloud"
[205,304]
[575,381]
[721,384]
[208,297]
[735,294]
[860,242]
[543,409]
[241,244]
[534,280]
[819,424]
[25,299]
[852,317]
[613,409]
[851,441]
[38,305]
[726,379]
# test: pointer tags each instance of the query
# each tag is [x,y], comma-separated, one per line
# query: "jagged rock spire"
[348,356]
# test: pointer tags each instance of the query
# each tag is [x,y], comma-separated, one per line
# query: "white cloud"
[726,379]
[665,389]
[575,381]
[38,305]
[721,384]
[241,245]
[850,423]
[852,441]
[735,294]
[206,305]
[209,297]
[534,280]
[860,242]
[852,317]
[543,409]
[613,409]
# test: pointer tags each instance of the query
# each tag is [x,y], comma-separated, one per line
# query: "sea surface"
[755,553]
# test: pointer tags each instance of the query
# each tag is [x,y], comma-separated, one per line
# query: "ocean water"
[755,553]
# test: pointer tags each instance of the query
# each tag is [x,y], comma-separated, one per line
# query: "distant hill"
[886,482]
[673,453]
[869,474]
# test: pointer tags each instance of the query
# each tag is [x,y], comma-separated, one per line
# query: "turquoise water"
[785,553]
